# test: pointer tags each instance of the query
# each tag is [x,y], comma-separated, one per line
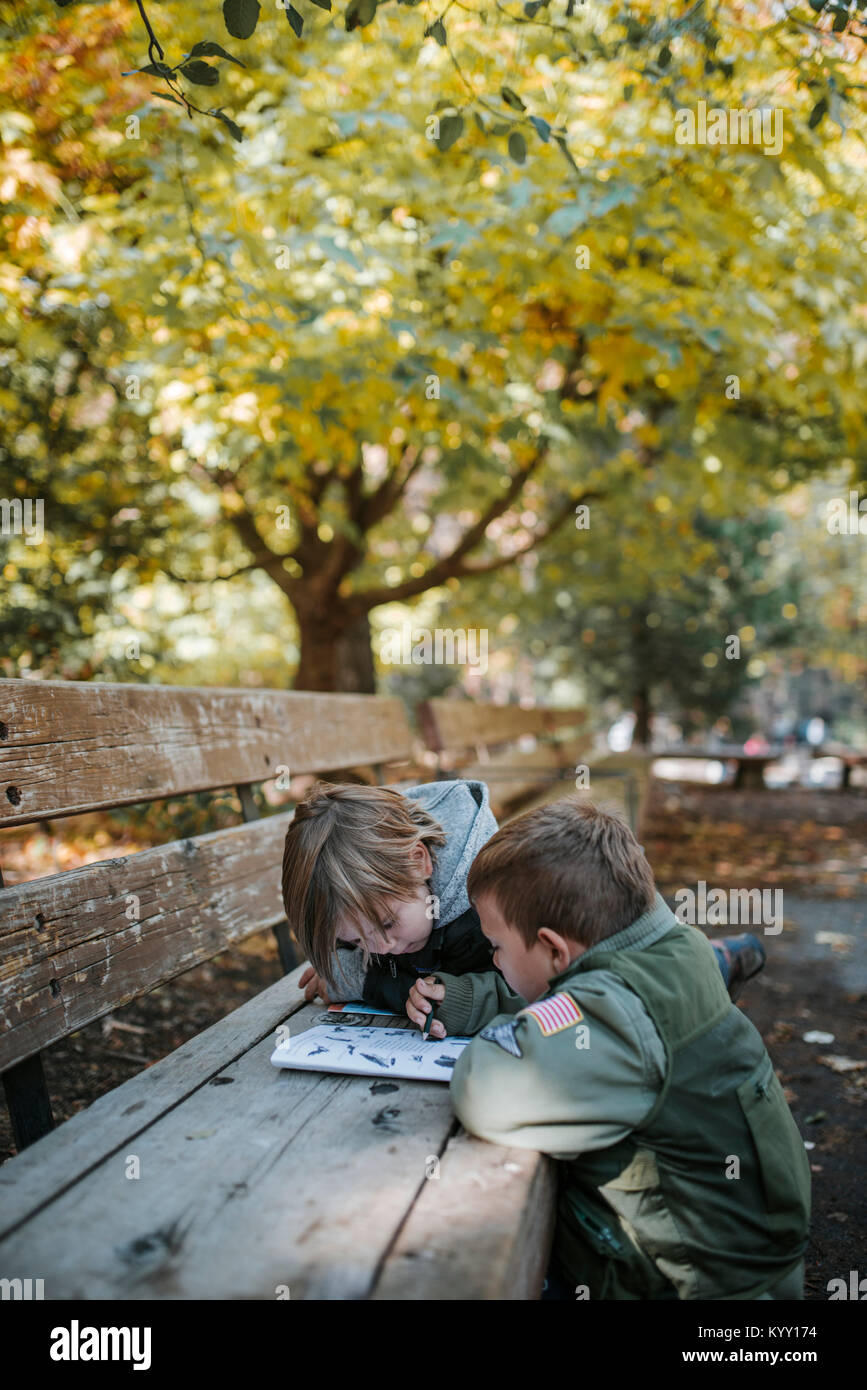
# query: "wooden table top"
[255,1182]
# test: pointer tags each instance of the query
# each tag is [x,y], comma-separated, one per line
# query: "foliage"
[368,355]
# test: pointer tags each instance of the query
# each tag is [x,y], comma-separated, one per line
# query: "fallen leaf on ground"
[842,1064]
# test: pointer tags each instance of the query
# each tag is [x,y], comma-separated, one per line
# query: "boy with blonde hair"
[374,887]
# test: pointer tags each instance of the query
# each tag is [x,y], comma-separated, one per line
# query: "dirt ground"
[812,844]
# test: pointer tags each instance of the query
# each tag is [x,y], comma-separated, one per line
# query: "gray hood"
[463,810]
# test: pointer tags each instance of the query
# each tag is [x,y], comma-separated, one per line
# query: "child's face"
[405,925]
[525,969]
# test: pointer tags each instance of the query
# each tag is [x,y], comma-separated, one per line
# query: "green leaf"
[437,31]
[664,56]
[541,126]
[155,70]
[163,96]
[841,19]
[817,112]
[512,99]
[451,129]
[323,4]
[241,17]
[359,13]
[518,147]
[203,74]
[480,123]
[234,130]
[295,20]
[206,49]
[628,91]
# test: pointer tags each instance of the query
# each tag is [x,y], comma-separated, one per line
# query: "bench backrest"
[489,742]
[75,945]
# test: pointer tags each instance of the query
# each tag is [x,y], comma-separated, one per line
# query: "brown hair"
[346,850]
[567,866]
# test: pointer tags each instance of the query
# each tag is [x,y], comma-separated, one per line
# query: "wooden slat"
[456,724]
[71,746]
[45,1170]
[272,1178]
[512,776]
[483,1229]
[69,953]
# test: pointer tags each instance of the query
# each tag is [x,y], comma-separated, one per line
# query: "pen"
[425,1032]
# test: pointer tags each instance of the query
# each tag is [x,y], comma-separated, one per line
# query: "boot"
[740,958]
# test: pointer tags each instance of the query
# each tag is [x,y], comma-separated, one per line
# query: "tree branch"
[390,490]
[450,565]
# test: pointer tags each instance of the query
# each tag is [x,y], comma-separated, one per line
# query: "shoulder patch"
[503,1034]
[555,1014]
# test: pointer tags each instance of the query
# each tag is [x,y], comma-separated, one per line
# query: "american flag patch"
[555,1014]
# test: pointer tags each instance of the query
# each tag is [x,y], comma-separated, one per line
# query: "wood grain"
[69,953]
[453,725]
[482,1230]
[271,1178]
[54,1163]
[72,746]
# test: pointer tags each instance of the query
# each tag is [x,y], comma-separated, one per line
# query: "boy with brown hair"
[683,1174]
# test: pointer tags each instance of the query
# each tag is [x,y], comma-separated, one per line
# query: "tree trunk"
[354,657]
[641,707]
[335,652]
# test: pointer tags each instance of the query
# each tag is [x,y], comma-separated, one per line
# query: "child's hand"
[314,987]
[417,1006]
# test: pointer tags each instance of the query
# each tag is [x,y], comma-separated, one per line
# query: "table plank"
[481,1230]
[272,1178]
[54,1163]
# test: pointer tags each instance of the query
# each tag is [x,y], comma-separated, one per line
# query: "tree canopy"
[378,350]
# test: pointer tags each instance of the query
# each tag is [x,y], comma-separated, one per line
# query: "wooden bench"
[212,1174]
[488,742]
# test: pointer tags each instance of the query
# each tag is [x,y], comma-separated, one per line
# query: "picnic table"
[749,769]
[215,1175]
[849,758]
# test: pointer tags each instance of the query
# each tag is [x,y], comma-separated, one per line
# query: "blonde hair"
[348,848]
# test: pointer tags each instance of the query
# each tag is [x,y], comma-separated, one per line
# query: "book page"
[371,1052]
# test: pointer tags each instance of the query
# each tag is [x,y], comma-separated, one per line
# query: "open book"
[370,1052]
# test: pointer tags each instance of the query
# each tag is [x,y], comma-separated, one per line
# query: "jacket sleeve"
[348,975]
[583,1087]
[471,1001]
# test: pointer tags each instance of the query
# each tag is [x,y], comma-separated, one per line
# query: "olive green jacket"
[683,1174]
